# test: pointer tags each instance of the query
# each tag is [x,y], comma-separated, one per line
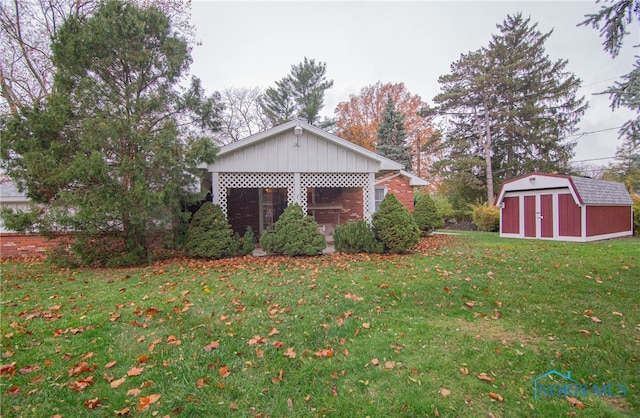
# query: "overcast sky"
[253,44]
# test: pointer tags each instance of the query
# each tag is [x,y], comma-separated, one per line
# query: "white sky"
[249,44]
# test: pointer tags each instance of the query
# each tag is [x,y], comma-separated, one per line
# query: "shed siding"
[546,210]
[569,216]
[530,216]
[511,215]
[607,220]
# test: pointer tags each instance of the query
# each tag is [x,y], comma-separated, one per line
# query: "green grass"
[408,335]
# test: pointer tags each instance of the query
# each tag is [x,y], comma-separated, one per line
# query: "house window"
[380,193]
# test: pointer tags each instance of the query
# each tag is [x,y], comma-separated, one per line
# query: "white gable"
[279,150]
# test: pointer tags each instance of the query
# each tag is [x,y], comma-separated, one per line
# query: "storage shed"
[563,207]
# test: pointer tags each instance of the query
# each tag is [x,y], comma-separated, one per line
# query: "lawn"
[460,328]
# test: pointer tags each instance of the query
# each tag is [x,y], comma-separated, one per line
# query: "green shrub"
[394,226]
[295,234]
[426,214]
[209,234]
[248,241]
[486,217]
[356,237]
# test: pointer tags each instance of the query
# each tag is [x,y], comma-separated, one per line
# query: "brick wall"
[399,186]
[13,245]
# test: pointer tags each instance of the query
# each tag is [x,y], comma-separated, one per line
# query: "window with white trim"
[380,193]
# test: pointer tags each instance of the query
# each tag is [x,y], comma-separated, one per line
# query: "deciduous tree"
[359,117]
[27,27]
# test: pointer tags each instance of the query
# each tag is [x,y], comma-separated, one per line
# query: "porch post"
[369,198]
[296,189]
[215,189]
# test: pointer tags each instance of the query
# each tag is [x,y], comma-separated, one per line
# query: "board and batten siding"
[281,153]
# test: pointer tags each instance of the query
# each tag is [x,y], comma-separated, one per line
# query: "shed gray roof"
[601,192]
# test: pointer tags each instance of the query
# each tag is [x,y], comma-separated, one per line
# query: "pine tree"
[612,20]
[510,107]
[392,136]
[300,94]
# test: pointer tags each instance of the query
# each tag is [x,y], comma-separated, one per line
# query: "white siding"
[279,154]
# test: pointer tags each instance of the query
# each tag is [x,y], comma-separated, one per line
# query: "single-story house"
[332,179]
[14,244]
[564,207]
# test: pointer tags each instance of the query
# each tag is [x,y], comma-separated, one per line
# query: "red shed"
[565,208]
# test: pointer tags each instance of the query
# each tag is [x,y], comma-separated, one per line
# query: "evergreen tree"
[300,94]
[510,106]
[109,152]
[394,226]
[392,136]
[612,21]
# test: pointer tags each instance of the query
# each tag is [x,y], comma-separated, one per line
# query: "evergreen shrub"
[248,241]
[486,217]
[295,234]
[394,226]
[209,234]
[356,237]
[426,214]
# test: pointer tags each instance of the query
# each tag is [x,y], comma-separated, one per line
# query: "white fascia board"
[385,163]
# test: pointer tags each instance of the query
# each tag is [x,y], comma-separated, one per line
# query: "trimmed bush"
[486,217]
[426,215]
[248,241]
[394,226]
[356,237]
[295,234]
[209,234]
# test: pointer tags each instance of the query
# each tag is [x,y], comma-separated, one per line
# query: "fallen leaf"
[496,396]
[353,297]
[143,358]
[110,364]
[135,371]
[257,340]
[390,365]
[485,377]
[146,401]
[291,352]
[92,403]
[617,313]
[445,392]
[334,390]
[366,325]
[116,383]
[273,332]
[123,412]
[224,372]
[464,371]
[596,319]
[327,352]
[213,345]
[8,369]
[575,402]
[13,391]
[375,362]
[133,392]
